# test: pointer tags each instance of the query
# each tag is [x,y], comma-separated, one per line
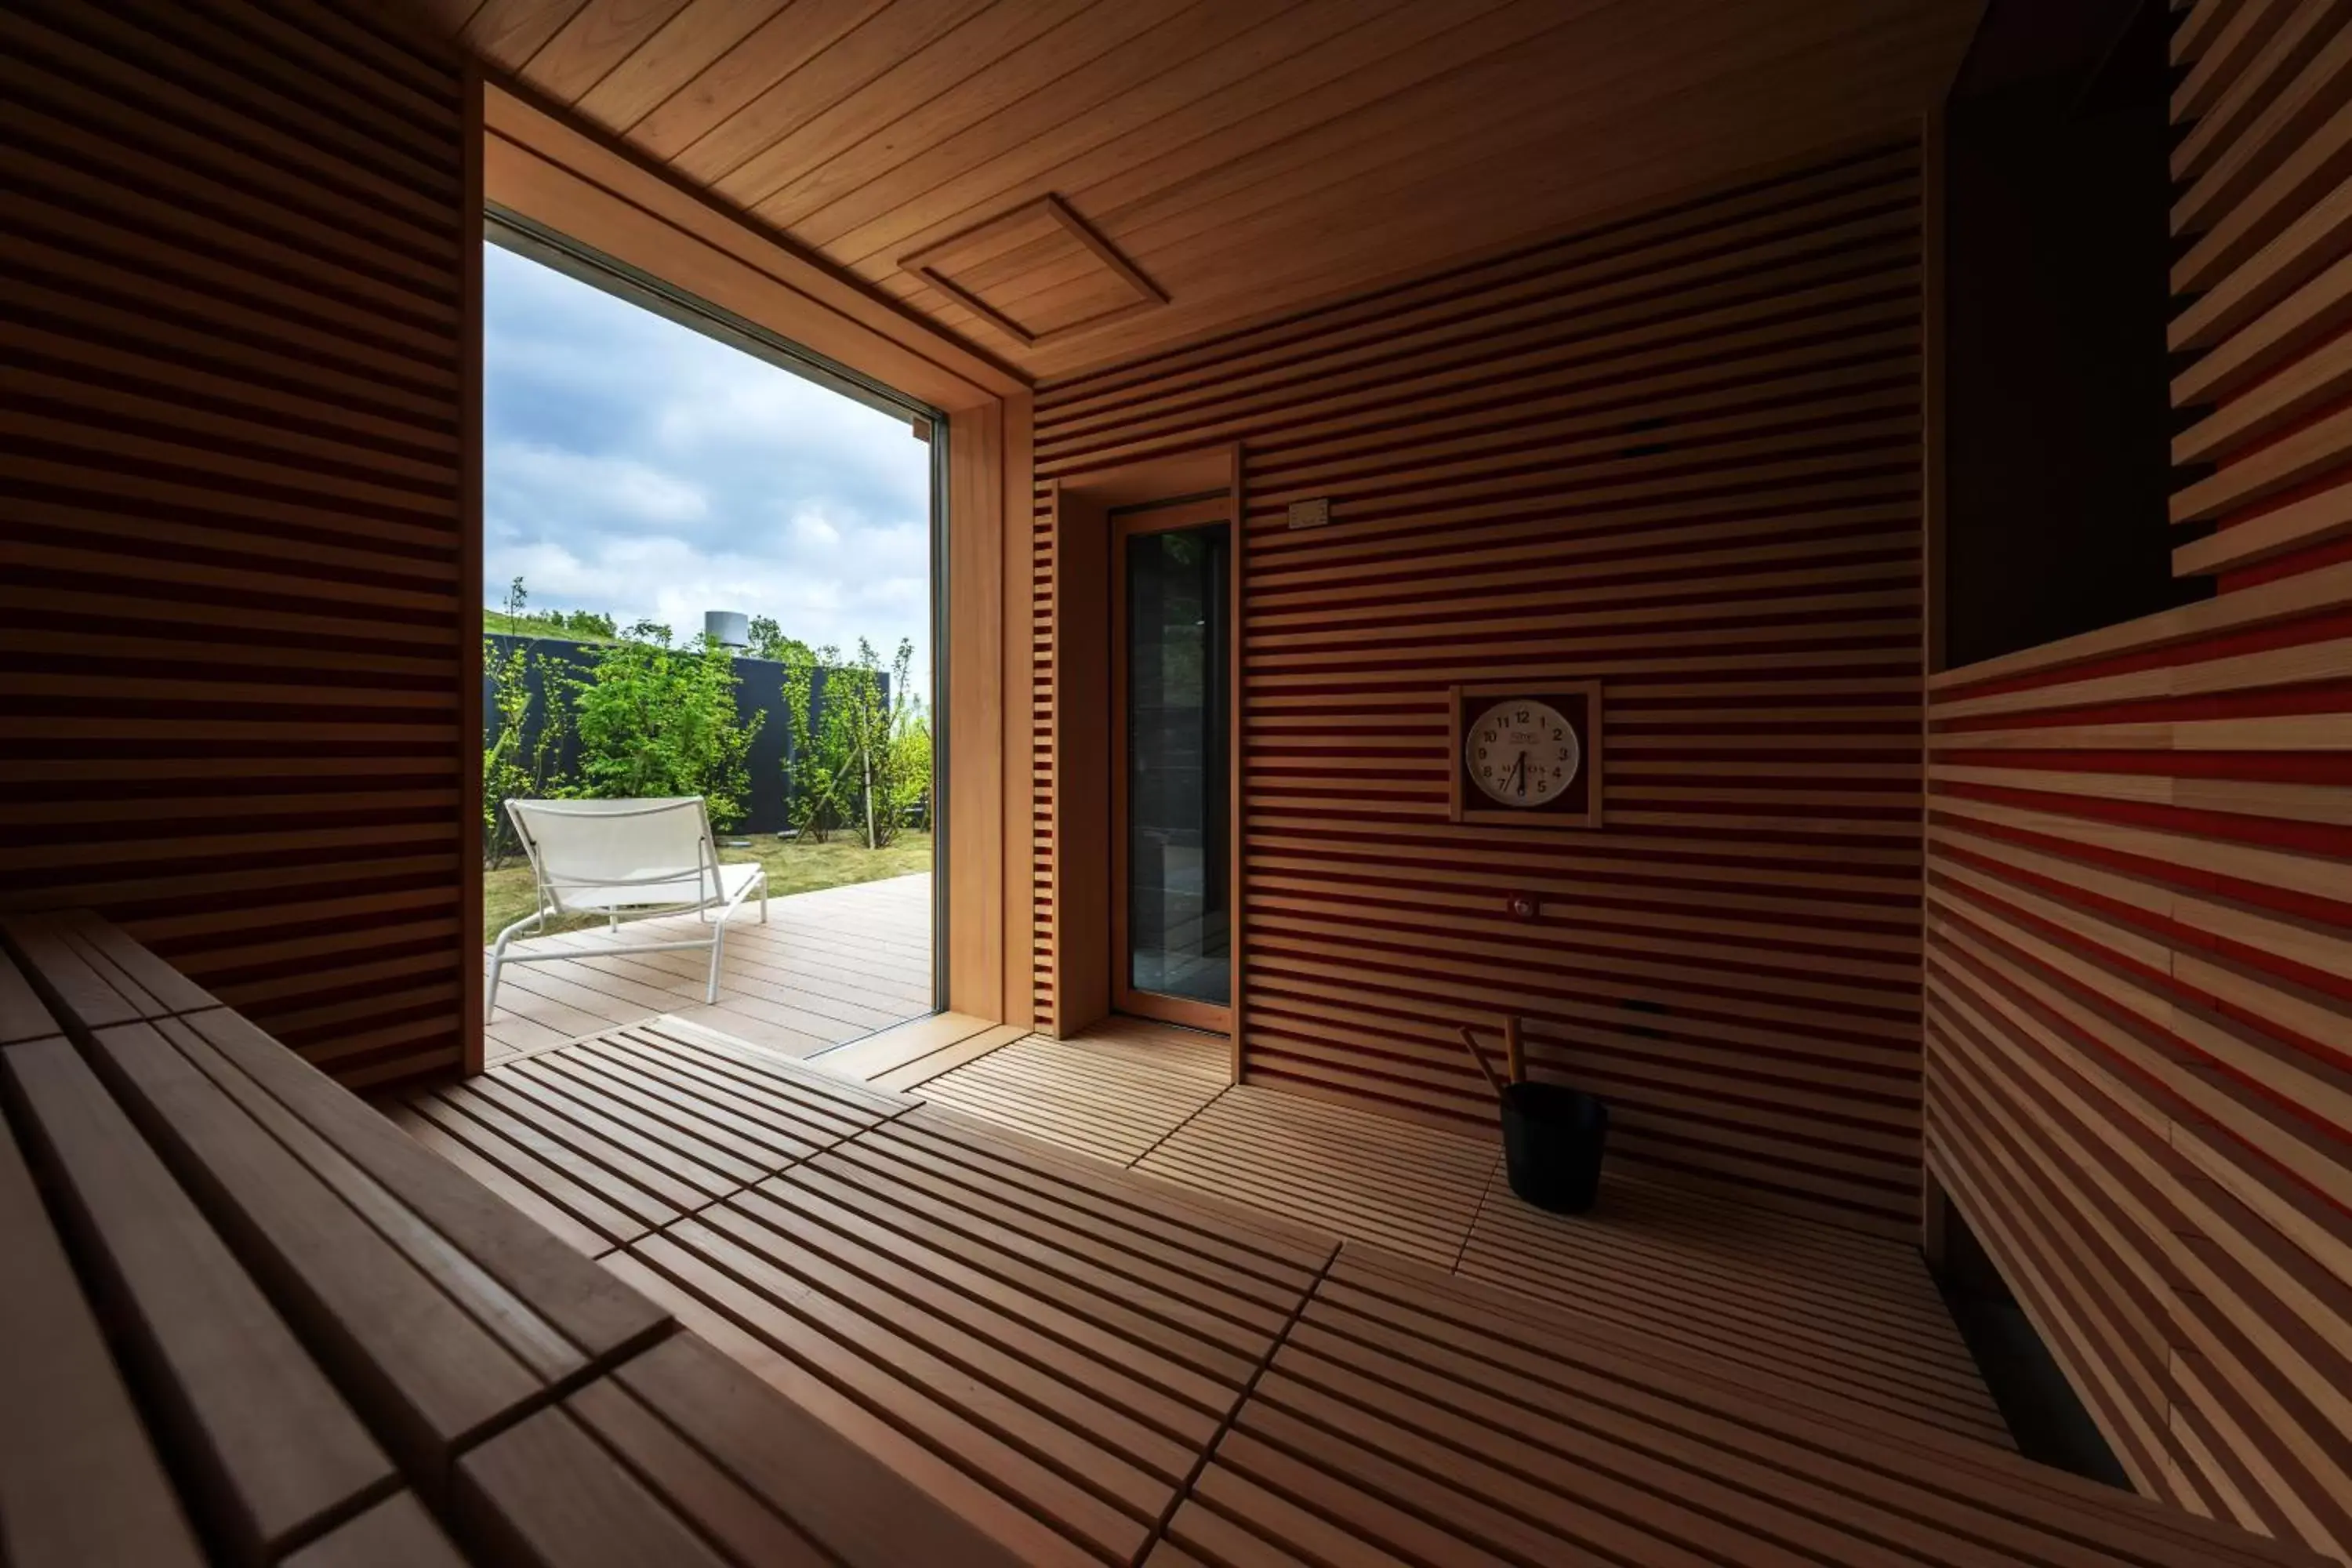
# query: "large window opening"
[711,572]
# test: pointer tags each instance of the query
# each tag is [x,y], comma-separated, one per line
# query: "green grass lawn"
[791,868]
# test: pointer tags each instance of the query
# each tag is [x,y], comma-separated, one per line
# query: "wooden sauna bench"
[248,1320]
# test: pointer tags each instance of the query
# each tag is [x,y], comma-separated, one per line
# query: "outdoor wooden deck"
[1100,1365]
[828,966]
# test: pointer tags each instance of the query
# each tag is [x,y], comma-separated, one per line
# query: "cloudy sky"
[634,467]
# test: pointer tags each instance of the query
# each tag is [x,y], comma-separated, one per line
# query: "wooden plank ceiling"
[1248,157]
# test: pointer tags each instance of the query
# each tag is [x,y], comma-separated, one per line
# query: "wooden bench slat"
[395,1533]
[71,1433]
[116,953]
[84,985]
[23,1016]
[853,1505]
[527,1335]
[428,1377]
[543,1492]
[603,1317]
[241,1405]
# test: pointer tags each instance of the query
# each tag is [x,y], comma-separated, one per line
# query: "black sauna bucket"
[1552,1138]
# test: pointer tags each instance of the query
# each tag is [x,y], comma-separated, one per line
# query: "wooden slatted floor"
[1099,1365]
[1836,1307]
[606,1139]
[1052,1351]
[1405,1186]
[1852,1311]
[1409,1417]
[828,966]
[1117,1094]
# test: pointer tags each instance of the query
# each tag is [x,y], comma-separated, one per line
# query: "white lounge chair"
[632,857]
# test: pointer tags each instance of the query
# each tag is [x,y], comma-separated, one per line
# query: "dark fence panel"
[759,689]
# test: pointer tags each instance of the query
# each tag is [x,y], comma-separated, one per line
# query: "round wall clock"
[1521,752]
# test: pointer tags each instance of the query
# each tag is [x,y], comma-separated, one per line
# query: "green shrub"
[518,761]
[656,719]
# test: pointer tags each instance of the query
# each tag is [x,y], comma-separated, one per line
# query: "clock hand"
[1519,771]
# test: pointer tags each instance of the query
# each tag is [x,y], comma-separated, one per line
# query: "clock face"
[1522,752]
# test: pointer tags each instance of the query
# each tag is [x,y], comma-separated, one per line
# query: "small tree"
[659,719]
[882,721]
[769,642]
[910,764]
[519,758]
[817,752]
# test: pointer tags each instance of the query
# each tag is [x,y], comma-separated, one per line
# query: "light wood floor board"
[607,1138]
[1045,1345]
[1094,1364]
[1411,1188]
[1115,1092]
[1816,1302]
[915,1052]
[1408,1417]
[827,967]
[1810,1302]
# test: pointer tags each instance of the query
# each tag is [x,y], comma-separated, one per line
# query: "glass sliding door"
[1172,766]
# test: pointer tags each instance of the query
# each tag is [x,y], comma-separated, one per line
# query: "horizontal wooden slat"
[236,441]
[1679,453]
[2140,869]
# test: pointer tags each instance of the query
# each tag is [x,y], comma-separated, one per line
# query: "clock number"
[1518,729]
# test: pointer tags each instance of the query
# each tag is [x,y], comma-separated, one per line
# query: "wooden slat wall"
[1044,916]
[1679,452]
[235,596]
[2140,980]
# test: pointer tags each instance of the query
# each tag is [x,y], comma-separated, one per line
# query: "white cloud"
[568,487]
[809,529]
[637,467]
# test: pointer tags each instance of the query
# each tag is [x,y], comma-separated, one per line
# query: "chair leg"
[763,898]
[718,936]
[498,958]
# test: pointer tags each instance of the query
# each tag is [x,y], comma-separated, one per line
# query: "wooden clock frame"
[1564,695]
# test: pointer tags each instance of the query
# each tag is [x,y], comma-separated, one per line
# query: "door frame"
[1073,713]
[1126,525]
